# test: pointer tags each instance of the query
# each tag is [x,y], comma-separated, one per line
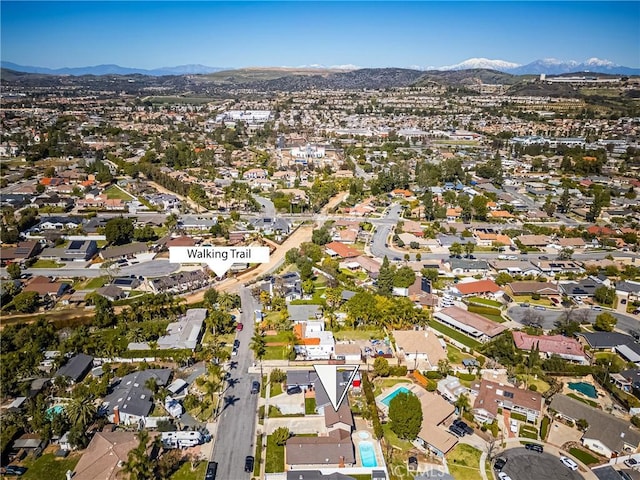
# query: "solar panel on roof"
[75,245]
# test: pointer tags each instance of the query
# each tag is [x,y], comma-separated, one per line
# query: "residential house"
[337,249]
[349,352]
[606,434]
[551,267]
[536,241]
[58,223]
[314,343]
[435,412]
[111,292]
[514,267]
[106,455]
[192,222]
[272,226]
[628,290]
[450,388]
[333,450]
[471,324]
[45,287]
[18,254]
[124,251]
[180,282]
[184,333]
[76,368]
[604,341]
[492,395]
[463,266]
[75,251]
[548,345]
[529,288]
[481,287]
[131,401]
[421,349]
[582,289]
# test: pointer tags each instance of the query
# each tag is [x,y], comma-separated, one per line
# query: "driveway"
[559,434]
[289,404]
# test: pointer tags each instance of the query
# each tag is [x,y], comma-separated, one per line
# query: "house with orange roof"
[337,249]
[312,341]
[476,288]
[402,193]
[502,214]
[453,214]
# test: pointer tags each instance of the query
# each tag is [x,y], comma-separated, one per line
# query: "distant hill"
[113,70]
[467,77]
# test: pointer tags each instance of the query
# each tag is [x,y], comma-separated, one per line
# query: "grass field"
[454,355]
[276,389]
[359,335]
[583,456]
[464,462]
[493,318]
[451,333]
[186,473]
[485,301]
[48,466]
[41,263]
[257,456]
[393,439]
[528,431]
[96,283]
[582,399]
[114,192]
[539,383]
[310,406]
[274,457]
[381,383]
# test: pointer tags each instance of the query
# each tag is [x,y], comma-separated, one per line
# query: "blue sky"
[374,34]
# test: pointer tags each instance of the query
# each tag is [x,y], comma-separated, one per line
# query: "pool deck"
[412,387]
[356,438]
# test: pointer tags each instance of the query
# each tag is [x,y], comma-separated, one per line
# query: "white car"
[567,462]
[503,476]
[514,426]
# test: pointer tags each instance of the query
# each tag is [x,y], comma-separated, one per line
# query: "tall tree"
[564,203]
[385,278]
[139,465]
[405,413]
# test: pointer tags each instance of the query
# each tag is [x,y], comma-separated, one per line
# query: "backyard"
[185,472]
[114,192]
[454,334]
[49,466]
[455,355]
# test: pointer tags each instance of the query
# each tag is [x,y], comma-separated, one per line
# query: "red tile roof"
[548,343]
[342,250]
[481,286]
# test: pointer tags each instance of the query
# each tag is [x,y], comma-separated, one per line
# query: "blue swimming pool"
[387,400]
[55,410]
[367,454]
[584,388]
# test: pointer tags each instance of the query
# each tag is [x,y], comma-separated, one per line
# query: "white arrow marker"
[328,376]
[219,259]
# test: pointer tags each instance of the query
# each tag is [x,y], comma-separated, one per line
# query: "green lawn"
[257,456]
[493,318]
[454,355]
[485,301]
[276,389]
[96,283]
[527,299]
[46,264]
[114,192]
[48,466]
[185,472]
[381,383]
[464,462]
[280,337]
[276,353]
[541,385]
[617,363]
[583,456]
[454,334]
[310,406]
[274,457]
[393,439]
[527,431]
[360,334]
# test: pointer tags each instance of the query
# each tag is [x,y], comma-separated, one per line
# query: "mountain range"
[549,66]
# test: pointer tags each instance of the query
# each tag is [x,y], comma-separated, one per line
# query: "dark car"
[467,429]
[413,463]
[294,390]
[255,386]
[534,446]
[212,468]
[500,463]
[236,343]
[16,470]
[248,464]
[457,431]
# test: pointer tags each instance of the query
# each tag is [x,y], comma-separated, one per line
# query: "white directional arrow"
[328,376]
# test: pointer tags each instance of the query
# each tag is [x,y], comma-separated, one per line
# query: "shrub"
[533,388]
[466,376]
[635,420]
[398,371]
[433,375]
[431,386]
[535,296]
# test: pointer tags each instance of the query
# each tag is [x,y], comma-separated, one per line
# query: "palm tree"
[226,301]
[81,410]
[259,347]
[139,465]
[462,403]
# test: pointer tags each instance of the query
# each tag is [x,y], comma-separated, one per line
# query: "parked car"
[239,327]
[236,343]
[534,446]
[500,463]
[294,390]
[525,305]
[567,462]
[596,308]
[14,470]
[212,469]
[248,464]
[467,429]
[632,462]
[503,476]
[539,307]
[234,352]
[457,431]
[513,426]
[413,463]
[255,386]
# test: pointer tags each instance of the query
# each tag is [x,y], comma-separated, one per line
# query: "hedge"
[433,375]
[156,353]
[398,371]
[466,376]
[544,427]
[519,416]
[373,409]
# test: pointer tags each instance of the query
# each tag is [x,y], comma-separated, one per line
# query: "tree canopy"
[405,413]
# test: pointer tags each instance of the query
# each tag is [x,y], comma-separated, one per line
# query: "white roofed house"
[419,349]
[185,333]
[314,343]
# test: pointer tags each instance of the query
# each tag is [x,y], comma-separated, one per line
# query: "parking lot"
[523,464]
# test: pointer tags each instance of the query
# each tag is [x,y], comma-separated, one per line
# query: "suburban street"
[235,434]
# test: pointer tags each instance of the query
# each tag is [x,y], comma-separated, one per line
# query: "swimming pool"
[387,400]
[367,454]
[55,410]
[584,388]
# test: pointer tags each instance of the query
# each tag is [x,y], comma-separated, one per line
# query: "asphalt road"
[268,208]
[523,464]
[384,227]
[626,323]
[235,437]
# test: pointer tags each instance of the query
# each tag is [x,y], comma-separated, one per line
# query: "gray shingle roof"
[76,368]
